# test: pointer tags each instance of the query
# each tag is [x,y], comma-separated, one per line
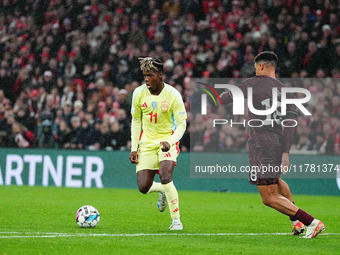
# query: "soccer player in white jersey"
[158,123]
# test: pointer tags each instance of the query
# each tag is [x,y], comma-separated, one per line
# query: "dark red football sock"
[304,217]
[293,218]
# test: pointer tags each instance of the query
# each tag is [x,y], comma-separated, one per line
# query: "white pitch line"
[9,235]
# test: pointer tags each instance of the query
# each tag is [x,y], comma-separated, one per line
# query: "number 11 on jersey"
[153,115]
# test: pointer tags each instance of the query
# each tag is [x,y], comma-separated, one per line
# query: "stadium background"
[68,68]
[67,72]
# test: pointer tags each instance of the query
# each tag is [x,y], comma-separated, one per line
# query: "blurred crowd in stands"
[68,68]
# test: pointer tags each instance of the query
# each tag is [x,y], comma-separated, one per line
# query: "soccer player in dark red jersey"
[269,145]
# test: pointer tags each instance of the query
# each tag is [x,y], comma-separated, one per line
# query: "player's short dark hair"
[266,56]
[149,63]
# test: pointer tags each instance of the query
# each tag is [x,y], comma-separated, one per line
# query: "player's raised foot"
[298,227]
[162,201]
[315,228]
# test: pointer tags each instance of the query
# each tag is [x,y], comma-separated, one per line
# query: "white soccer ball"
[87,216]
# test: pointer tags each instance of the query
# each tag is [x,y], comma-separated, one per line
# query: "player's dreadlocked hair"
[148,64]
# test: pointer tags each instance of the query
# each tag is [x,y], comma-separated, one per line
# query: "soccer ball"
[87,216]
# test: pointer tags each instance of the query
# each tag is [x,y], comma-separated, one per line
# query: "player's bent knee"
[143,189]
[143,186]
[165,180]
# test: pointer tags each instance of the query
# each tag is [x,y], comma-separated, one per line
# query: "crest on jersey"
[164,106]
[154,105]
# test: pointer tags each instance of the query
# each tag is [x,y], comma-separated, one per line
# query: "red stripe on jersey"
[140,136]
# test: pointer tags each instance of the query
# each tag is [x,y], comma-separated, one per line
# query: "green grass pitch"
[40,220]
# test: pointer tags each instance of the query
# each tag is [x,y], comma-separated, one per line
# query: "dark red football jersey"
[268,132]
